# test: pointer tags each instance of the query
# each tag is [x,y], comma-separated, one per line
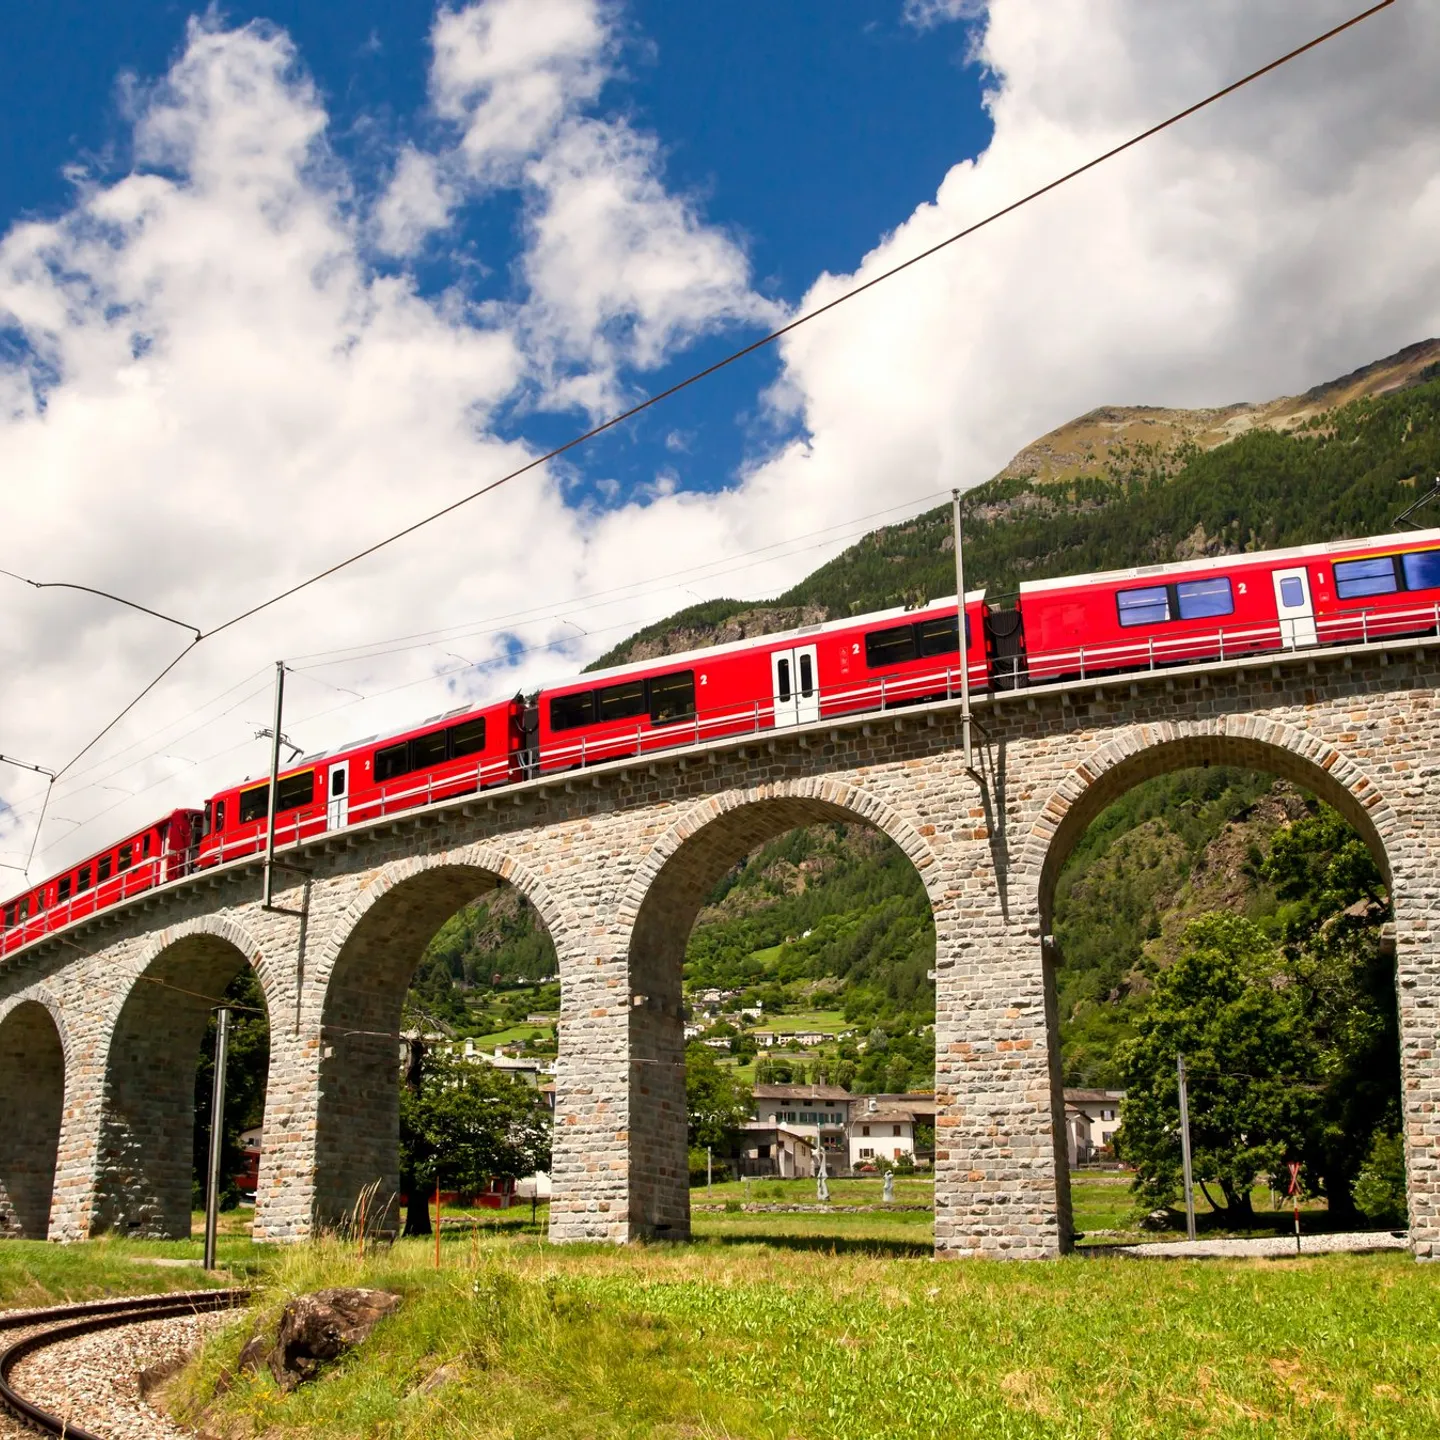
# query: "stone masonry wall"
[617,861]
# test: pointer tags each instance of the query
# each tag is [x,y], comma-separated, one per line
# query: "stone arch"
[147,1122]
[1145,751]
[362,973]
[658,912]
[34,1057]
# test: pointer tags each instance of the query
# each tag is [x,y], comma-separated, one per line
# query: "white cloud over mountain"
[213,387]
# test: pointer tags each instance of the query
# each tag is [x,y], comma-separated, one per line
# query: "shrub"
[1380,1186]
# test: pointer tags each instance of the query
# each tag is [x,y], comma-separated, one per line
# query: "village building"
[1091,1119]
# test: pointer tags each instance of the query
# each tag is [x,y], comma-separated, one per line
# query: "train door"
[1292,604]
[795,688]
[337,805]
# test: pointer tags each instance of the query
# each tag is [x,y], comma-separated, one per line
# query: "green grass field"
[793,1326]
[789,1339]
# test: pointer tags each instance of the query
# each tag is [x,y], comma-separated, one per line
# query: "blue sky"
[806,130]
[274,283]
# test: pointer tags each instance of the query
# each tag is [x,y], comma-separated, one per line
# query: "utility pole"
[960,626]
[269,890]
[1185,1148]
[217,1135]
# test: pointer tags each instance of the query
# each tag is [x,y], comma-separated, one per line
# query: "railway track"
[63,1323]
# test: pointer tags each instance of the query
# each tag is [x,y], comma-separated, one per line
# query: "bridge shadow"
[828,1244]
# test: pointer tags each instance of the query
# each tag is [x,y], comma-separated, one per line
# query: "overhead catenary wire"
[806,318]
[734,356]
[739,561]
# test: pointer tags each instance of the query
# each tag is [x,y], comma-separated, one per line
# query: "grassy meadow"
[798,1326]
[786,1338]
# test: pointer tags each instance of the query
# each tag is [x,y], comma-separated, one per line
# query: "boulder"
[323,1326]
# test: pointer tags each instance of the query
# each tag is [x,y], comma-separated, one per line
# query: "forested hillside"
[830,923]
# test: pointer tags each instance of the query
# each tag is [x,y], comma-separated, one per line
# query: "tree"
[717,1103]
[1226,1004]
[246,1067]
[468,1122]
[1334,911]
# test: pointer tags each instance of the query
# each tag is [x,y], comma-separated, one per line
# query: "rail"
[1114,661]
[69,1322]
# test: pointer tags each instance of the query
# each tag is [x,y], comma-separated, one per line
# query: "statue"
[822,1186]
[889,1193]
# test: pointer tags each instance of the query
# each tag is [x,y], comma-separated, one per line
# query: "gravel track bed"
[1271,1246]
[93,1381]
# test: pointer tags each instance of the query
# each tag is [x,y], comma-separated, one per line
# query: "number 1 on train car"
[796,693]
[1292,605]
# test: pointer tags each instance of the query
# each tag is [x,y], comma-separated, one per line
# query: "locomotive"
[1081,627]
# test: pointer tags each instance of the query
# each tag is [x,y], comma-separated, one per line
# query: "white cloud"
[619,269]
[417,202]
[219,393]
[926,14]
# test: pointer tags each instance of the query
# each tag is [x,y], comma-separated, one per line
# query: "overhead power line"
[805,319]
[104,595]
[765,340]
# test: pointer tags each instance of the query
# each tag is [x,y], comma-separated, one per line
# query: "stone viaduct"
[100,1025]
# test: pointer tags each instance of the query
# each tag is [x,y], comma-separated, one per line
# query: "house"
[1091,1119]
[818,1111]
[879,1129]
[770,1149]
[519,1067]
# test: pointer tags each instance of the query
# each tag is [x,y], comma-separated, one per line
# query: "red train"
[1119,622]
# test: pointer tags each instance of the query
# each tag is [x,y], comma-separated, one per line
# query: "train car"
[164,850]
[894,657]
[1158,615]
[456,753]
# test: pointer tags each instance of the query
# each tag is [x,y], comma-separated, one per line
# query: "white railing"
[1088,662]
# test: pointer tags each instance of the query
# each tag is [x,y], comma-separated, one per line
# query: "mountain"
[1101,494]
[831,921]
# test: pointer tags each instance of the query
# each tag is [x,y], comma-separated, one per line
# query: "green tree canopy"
[1227,1005]
[717,1103]
[467,1122]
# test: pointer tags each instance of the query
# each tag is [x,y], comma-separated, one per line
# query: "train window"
[468,737]
[294,791]
[254,803]
[621,702]
[938,637]
[102,869]
[393,760]
[219,814]
[569,711]
[1199,599]
[672,697]
[783,690]
[1422,569]
[25,908]
[62,890]
[1292,592]
[890,647]
[9,916]
[145,845]
[82,880]
[807,674]
[428,750]
[126,858]
[1144,607]
[337,780]
[1376,576]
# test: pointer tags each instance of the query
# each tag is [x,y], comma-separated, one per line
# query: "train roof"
[1228,562]
[803,632]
